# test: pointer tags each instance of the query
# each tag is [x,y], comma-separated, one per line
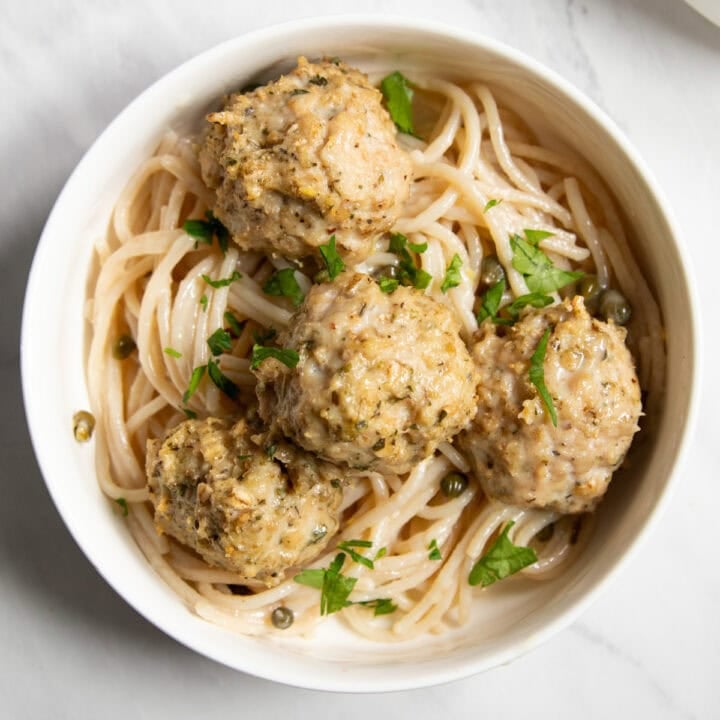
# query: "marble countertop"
[71,648]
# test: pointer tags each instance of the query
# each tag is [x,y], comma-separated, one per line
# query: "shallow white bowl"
[512,617]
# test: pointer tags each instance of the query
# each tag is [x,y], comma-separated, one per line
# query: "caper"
[122,347]
[453,484]
[491,271]
[591,291]
[282,617]
[83,425]
[614,306]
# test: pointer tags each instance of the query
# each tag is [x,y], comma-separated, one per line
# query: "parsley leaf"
[172,352]
[195,378]
[189,414]
[348,545]
[312,577]
[398,97]
[204,230]
[224,383]
[540,274]
[223,282]
[204,302]
[537,375]
[381,606]
[236,327]
[333,262]
[219,342]
[336,587]
[536,300]
[491,301]
[122,502]
[283,284]
[435,553]
[418,247]
[408,273]
[452,274]
[388,285]
[286,356]
[501,560]
[491,204]
[318,80]
[382,552]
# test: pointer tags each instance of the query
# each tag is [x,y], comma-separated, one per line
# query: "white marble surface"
[71,648]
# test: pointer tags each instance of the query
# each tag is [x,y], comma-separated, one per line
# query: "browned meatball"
[382,379]
[309,155]
[217,492]
[519,457]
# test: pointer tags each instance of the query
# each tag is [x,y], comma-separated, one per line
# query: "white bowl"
[53,343]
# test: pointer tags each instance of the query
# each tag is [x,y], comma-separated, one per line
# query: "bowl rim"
[382,682]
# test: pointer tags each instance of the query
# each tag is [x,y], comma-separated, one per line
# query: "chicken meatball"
[520,458]
[215,490]
[307,156]
[381,381]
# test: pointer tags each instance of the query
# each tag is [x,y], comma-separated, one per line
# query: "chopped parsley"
[283,284]
[189,414]
[236,327]
[408,273]
[318,80]
[490,302]
[348,546]
[195,378]
[501,560]
[286,356]
[122,502]
[381,606]
[398,97]
[223,383]
[388,285]
[435,553]
[534,299]
[172,352]
[452,274]
[224,282]
[204,302]
[537,375]
[204,230]
[540,274]
[491,204]
[334,264]
[335,587]
[382,552]
[219,342]
[299,91]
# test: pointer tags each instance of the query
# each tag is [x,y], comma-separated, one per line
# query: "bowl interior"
[512,617]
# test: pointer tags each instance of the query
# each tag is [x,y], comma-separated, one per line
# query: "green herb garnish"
[333,262]
[452,274]
[381,606]
[204,230]
[286,356]
[501,560]
[219,342]
[223,383]
[189,414]
[265,336]
[335,586]
[435,553]
[270,450]
[398,97]
[195,378]
[382,552]
[408,273]
[299,91]
[283,284]
[224,282]
[540,274]
[418,247]
[318,80]
[388,285]
[122,502]
[348,546]
[172,352]
[204,303]
[490,302]
[491,204]
[536,300]
[537,375]
[236,327]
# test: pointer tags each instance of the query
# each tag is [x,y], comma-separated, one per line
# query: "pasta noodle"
[149,283]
